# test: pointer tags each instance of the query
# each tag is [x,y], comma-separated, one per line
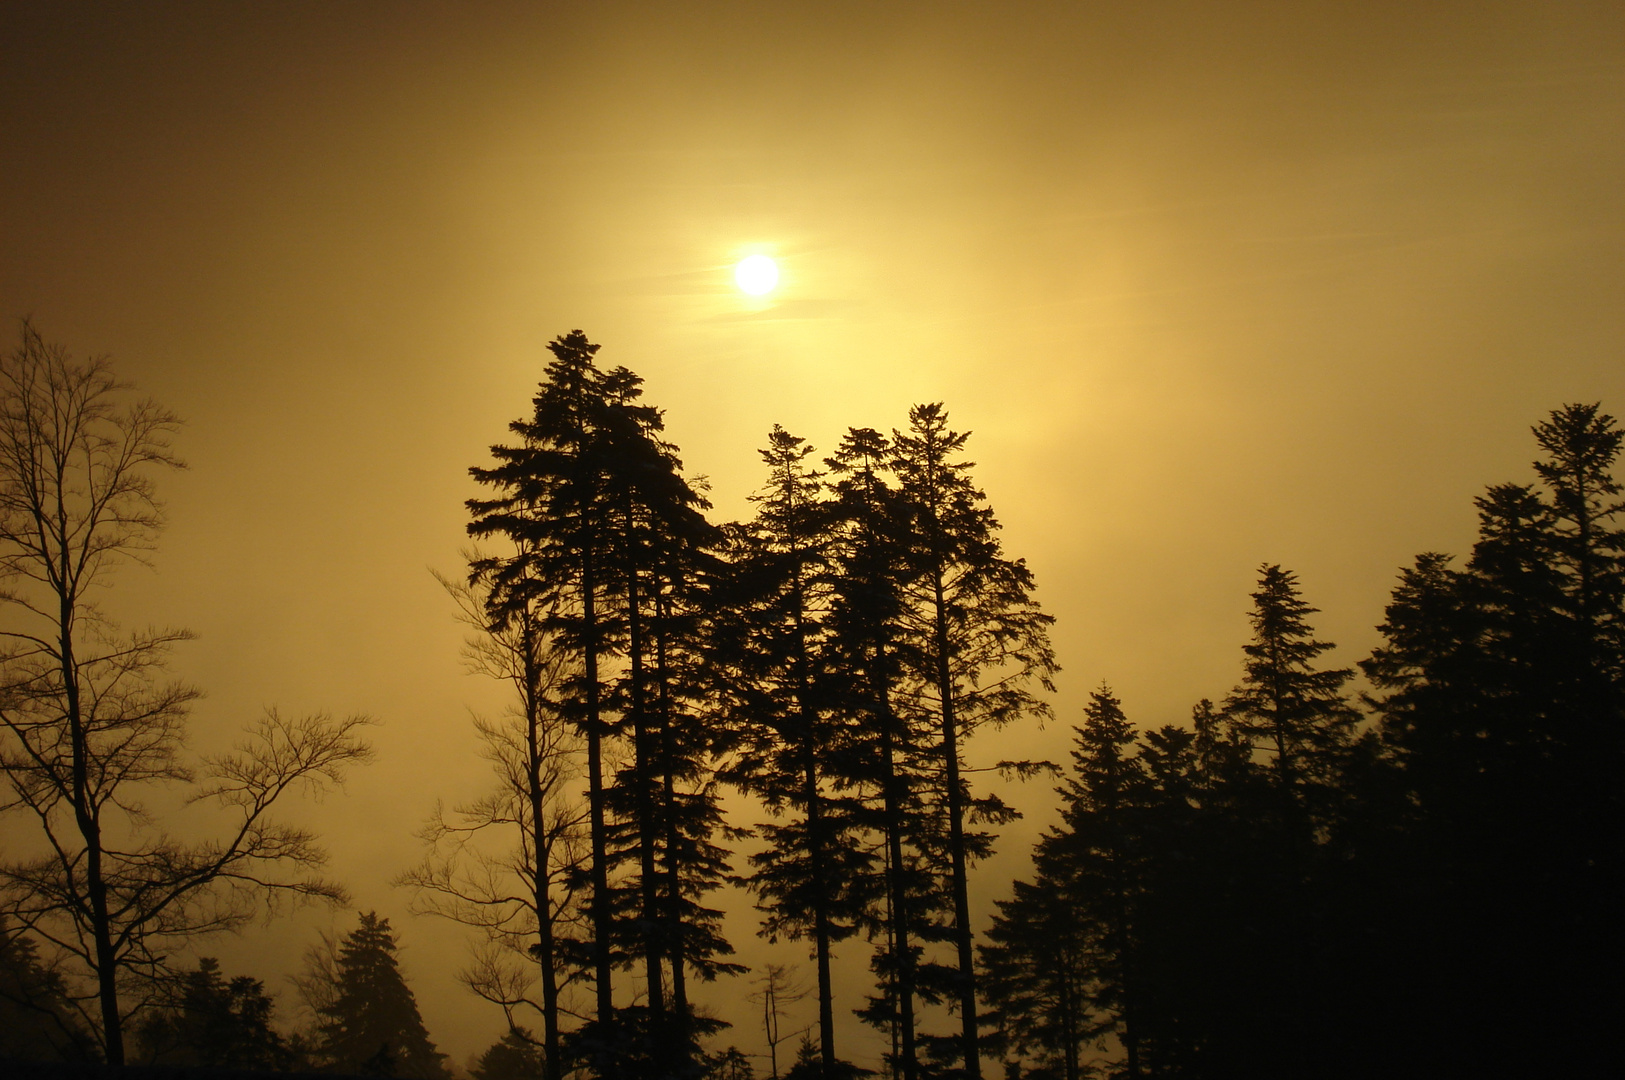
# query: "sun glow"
[757,275]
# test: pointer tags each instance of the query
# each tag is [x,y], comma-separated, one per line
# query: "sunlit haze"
[1211,285]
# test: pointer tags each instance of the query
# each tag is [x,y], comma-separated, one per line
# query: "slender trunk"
[1127,1014]
[902,954]
[602,915]
[1069,1023]
[89,824]
[672,917]
[815,837]
[674,895]
[821,927]
[539,849]
[956,834]
[642,777]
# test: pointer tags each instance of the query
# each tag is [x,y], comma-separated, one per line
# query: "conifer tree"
[1097,852]
[551,500]
[1499,690]
[215,1023]
[980,642]
[771,629]
[892,760]
[1285,706]
[515,1056]
[368,1021]
[669,818]
[37,1017]
[1038,978]
[1296,714]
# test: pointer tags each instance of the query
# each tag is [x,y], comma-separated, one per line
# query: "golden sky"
[1214,284]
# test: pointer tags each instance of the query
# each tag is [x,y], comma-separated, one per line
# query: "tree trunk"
[602,915]
[89,824]
[956,835]
[642,776]
[902,953]
[671,917]
[539,853]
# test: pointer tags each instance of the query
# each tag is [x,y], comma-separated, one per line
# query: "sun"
[757,275]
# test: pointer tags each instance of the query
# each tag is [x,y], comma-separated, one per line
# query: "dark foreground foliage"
[1287,888]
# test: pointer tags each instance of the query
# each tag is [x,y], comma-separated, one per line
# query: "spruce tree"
[771,636]
[37,1018]
[1297,716]
[1287,707]
[1500,695]
[892,758]
[980,643]
[370,1023]
[551,501]
[214,1023]
[515,1056]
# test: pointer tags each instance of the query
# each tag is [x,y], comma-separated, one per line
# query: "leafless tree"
[509,863]
[90,723]
[779,988]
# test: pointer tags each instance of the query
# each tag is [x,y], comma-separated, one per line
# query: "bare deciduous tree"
[779,988]
[90,722]
[509,863]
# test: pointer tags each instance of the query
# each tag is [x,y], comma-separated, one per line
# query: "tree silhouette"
[770,645]
[89,722]
[523,896]
[1500,695]
[515,1056]
[214,1023]
[551,503]
[368,1019]
[980,642]
[891,757]
[37,1021]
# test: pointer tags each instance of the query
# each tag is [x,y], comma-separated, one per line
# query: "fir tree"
[551,500]
[37,1017]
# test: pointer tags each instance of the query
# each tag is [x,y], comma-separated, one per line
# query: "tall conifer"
[980,642]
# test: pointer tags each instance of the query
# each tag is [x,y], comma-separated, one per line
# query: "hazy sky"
[1214,284]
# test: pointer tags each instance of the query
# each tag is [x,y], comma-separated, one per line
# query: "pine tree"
[1099,854]
[37,1019]
[1500,694]
[1037,977]
[1287,707]
[1297,715]
[369,1022]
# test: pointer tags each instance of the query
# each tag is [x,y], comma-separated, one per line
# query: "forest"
[1412,867]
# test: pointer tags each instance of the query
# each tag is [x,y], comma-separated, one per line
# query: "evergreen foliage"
[976,642]
[216,1024]
[369,1023]
[771,638]
[37,1019]
[515,1056]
